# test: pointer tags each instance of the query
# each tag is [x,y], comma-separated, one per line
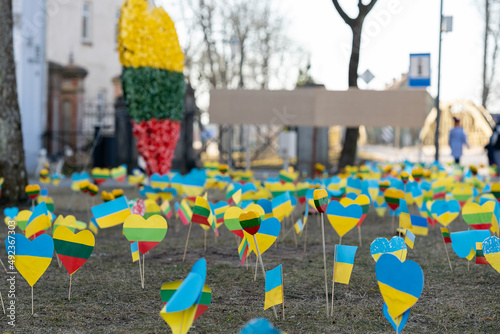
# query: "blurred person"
[457,140]
[493,146]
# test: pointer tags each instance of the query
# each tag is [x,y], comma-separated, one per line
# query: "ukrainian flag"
[409,238]
[93,227]
[111,213]
[274,287]
[267,206]
[344,262]
[134,249]
[299,226]
[282,205]
[419,225]
[38,221]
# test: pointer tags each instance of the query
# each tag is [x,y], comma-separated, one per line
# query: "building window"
[86,22]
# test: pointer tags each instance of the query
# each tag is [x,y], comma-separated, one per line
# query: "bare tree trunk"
[12,167]
[486,84]
[349,149]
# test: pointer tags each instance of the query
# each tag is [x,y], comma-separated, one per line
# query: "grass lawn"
[107,297]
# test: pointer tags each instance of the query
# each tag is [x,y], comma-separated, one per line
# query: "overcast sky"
[393,30]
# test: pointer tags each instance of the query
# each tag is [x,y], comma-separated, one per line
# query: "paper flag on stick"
[68,221]
[32,190]
[343,263]
[282,205]
[266,235]
[409,238]
[22,219]
[148,233]
[111,213]
[362,200]
[250,222]
[201,211]
[320,200]
[479,217]
[184,211]
[30,258]
[392,197]
[419,225]
[445,211]
[400,283]
[342,218]
[274,287]
[119,173]
[491,251]
[243,250]
[396,247]
[232,220]
[186,301]
[73,249]
[134,250]
[480,259]
[38,221]
[397,323]
[465,241]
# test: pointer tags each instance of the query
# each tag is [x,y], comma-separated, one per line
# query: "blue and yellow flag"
[409,238]
[344,262]
[134,249]
[274,287]
[38,221]
[111,213]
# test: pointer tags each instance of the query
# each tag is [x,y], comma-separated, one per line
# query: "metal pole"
[438,110]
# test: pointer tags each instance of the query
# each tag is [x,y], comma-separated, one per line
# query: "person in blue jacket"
[457,140]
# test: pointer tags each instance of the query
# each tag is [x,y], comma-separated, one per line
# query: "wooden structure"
[476,121]
[320,107]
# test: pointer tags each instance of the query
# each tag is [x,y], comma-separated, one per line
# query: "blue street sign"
[419,74]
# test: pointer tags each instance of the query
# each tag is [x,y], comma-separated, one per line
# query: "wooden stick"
[3,265]
[187,241]
[287,233]
[205,240]
[69,292]
[262,267]
[359,236]
[447,255]
[468,265]
[324,261]
[392,223]
[31,300]
[140,267]
[340,241]
[295,234]
[32,206]
[143,269]
[305,239]
[333,283]
[1,298]
[255,272]
[283,288]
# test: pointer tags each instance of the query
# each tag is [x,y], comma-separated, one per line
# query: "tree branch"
[368,7]
[349,21]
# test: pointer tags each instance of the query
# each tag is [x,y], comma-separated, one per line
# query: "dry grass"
[107,297]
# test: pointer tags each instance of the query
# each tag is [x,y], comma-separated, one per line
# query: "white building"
[31,72]
[87,29]
[83,32]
